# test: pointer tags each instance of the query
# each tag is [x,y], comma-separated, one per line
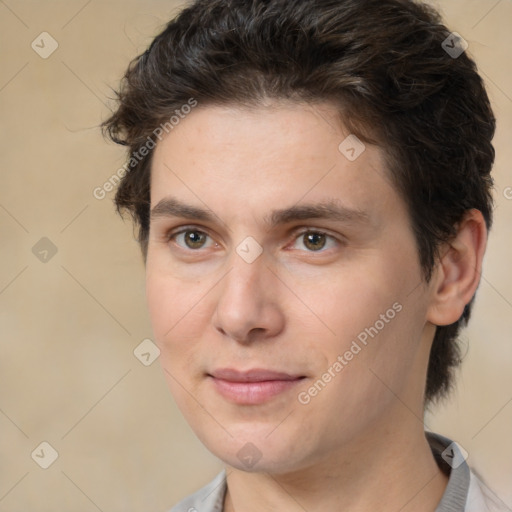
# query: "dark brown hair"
[383,63]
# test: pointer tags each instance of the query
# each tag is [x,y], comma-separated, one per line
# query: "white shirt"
[465,492]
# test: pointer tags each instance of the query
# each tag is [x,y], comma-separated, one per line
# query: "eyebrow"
[328,209]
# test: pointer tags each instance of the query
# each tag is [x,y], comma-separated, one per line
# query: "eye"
[194,239]
[191,239]
[316,241]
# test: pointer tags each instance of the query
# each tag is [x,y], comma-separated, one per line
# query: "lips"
[252,387]
[254,375]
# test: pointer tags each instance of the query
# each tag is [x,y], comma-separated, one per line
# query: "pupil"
[313,239]
[193,238]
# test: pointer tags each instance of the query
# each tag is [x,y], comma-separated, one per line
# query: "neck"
[394,470]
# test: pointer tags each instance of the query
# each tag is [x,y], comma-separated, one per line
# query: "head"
[245,108]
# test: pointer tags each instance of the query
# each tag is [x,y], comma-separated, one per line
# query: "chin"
[255,451]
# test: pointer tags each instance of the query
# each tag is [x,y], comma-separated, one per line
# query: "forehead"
[246,161]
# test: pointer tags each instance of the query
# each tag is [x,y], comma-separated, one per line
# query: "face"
[283,285]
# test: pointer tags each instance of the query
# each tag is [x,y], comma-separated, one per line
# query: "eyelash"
[173,234]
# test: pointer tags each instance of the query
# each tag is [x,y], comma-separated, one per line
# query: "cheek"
[348,300]
[173,309]
[177,329]
[162,305]
[177,316]
[374,320]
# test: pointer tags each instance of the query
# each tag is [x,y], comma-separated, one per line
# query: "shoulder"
[209,498]
[481,498]
[466,490]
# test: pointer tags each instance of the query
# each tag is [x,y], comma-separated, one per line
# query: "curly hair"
[386,67]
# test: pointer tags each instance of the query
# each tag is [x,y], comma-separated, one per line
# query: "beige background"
[69,325]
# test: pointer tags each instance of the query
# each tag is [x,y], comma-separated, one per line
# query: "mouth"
[252,387]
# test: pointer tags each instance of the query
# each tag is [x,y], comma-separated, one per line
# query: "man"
[311,181]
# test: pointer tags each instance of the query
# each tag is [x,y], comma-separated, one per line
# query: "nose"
[248,306]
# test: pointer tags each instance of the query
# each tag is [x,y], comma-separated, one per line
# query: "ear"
[458,271]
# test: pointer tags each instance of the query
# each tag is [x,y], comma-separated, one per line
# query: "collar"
[452,462]
[447,454]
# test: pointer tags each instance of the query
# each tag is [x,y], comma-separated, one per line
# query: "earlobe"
[458,270]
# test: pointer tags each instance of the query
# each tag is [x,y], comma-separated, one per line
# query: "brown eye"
[194,239]
[191,239]
[314,241]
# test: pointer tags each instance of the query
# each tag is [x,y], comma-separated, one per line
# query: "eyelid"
[177,231]
[169,235]
[319,231]
[297,232]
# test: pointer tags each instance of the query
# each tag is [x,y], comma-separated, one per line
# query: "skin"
[298,306]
